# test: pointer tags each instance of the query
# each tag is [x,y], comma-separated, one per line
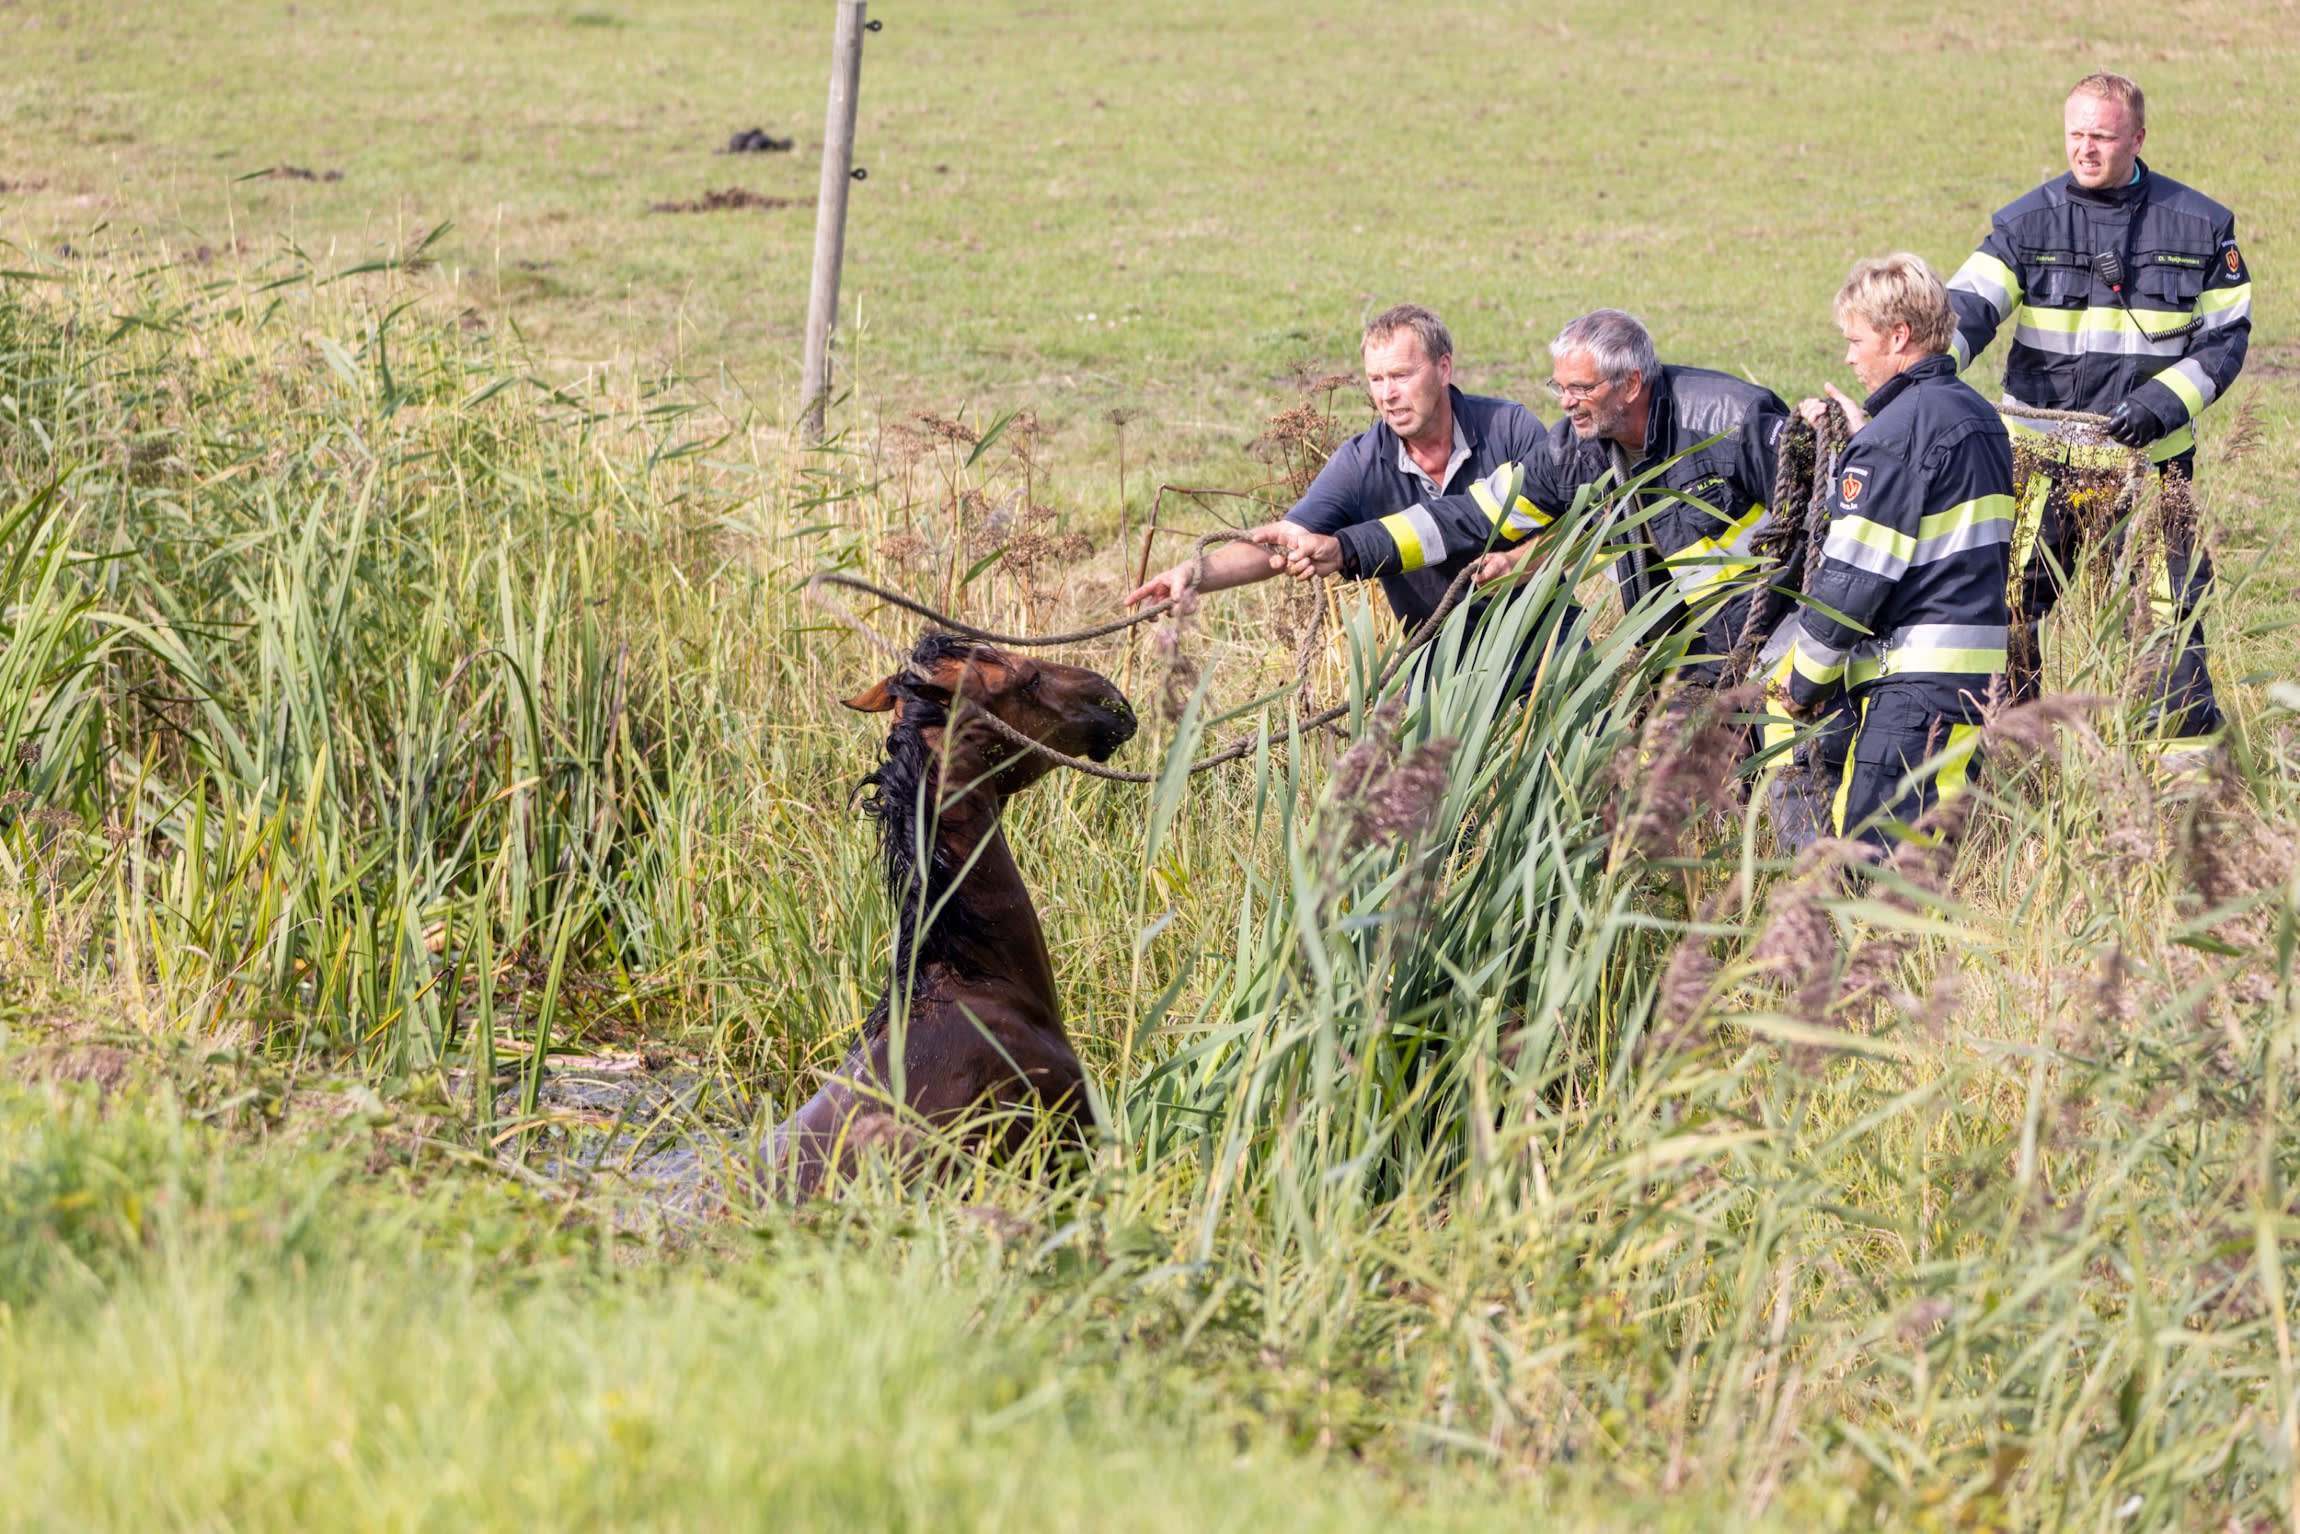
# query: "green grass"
[405,677]
[1228,189]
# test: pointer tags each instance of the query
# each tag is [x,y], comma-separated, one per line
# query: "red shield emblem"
[2235,261]
[1855,481]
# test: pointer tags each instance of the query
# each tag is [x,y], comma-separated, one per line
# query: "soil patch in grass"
[725,200]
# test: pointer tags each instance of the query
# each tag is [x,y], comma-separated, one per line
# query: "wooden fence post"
[831,210]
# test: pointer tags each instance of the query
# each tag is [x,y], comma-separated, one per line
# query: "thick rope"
[1236,750]
[1801,477]
[1245,744]
[2067,417]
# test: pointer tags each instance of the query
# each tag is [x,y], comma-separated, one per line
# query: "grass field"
[406,683]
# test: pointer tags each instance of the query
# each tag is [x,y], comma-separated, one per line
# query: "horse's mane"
[896,796]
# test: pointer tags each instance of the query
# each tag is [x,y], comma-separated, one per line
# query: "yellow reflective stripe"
[1929,659]
[2181,384]
[2213,300]
[1821,673]
[1956,760]
[1780,726]
[1409,542]
[1982,272]
[1898,546]
[1490,504]
[1845,778]
[2147,322]
[1532,513]
[2028,522]
[1706,561]
[1972,513]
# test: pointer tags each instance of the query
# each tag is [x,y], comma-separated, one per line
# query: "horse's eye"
[1035,678]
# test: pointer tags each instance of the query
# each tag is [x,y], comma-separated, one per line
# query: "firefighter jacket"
[1695,539]
[1911,583]
[2174,339]
[1372,481]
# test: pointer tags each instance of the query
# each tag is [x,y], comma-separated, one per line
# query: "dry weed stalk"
[1299,439]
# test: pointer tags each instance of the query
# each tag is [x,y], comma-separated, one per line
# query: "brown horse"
[972,997]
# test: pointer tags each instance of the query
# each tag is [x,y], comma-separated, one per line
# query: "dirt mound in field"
[295,173]
[726,201]
[759,141]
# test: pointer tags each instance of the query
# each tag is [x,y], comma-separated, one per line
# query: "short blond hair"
[1900,289]
[1437,341]
[2110,87]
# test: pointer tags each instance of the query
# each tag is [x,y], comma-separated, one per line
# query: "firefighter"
[1905,630]
[1431,438]
[2129,298]
[1713,438]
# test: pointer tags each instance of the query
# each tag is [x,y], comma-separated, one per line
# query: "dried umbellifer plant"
[1299,439]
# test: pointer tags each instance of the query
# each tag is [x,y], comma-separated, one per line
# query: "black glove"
[2135,425]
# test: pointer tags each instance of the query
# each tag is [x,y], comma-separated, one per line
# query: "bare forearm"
[1238,564]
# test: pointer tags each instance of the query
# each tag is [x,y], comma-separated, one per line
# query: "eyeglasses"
[1571,394]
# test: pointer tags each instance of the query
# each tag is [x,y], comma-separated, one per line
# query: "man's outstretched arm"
[1230,564]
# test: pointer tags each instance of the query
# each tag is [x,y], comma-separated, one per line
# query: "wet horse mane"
[896,797]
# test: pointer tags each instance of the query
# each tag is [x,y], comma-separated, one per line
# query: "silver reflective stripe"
[2239,310]
[1946,636]
[2192,370]
[1982,285]
[1959,349]
[1825,654]
[1426,528]
[1778,646]
[1975,535]
[1846,549]
[2095,343]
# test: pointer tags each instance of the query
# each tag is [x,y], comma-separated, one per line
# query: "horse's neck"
[989,927]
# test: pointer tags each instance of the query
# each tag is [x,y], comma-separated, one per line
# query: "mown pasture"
[405,669]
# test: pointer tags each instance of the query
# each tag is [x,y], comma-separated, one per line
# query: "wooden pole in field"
[831,210]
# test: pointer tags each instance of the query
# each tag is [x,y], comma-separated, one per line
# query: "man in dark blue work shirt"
[1432,441]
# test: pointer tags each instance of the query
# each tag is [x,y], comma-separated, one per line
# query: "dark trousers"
[2181,705]
[1862,775]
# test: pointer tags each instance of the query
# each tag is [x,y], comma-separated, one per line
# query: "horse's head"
[1075,711]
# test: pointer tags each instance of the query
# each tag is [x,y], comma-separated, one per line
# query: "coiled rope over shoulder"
[1235,751]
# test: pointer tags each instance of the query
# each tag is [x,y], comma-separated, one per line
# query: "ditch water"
[676,1140]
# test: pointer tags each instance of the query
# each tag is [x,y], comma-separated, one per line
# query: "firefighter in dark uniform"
[1431,437]
[1904,635]
[1714,438]
[2128,298]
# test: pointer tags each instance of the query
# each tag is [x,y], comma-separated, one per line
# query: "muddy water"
[678,1140]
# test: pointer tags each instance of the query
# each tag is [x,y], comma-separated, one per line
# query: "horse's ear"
[877,699]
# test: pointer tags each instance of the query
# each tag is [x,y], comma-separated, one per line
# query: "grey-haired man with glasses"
[1625,413]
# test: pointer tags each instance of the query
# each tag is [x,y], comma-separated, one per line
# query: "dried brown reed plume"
[1178,673]
[1680,773]
[1798,946]
[2229,851]
[1682,1009]
[2245,432]
[1385,796]
[1919,885]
